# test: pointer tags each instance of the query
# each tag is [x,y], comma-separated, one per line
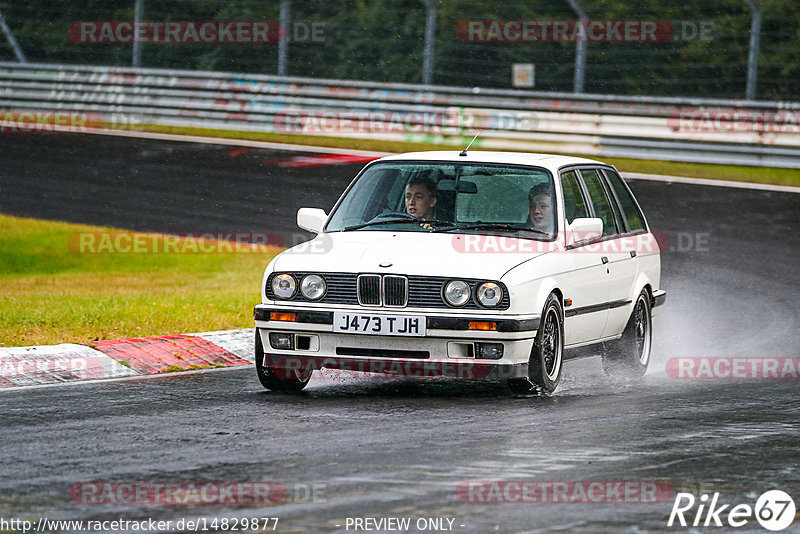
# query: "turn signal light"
[282,316]
[482,325]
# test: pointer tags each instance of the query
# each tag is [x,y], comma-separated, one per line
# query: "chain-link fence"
[703,49]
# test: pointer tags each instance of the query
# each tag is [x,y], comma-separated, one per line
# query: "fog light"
[489,351]
[281,341]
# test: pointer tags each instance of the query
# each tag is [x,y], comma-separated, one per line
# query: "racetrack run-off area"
[122,358]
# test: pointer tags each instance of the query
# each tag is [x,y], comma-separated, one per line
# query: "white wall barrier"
[677,129]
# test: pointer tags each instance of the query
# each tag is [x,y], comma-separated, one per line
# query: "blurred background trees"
[383,40]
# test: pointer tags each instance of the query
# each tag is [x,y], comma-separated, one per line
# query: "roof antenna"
[464,152]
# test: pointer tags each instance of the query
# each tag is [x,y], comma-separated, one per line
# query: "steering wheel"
[393,214]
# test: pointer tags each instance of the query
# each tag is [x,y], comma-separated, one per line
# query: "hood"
[416,253]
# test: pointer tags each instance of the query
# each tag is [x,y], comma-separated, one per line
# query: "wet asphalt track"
[394,448]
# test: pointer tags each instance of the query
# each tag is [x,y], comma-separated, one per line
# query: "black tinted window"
[574,204]
[631,211]
[602,206]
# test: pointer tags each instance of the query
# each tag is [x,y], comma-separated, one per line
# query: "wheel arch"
[643,283]
[546,288]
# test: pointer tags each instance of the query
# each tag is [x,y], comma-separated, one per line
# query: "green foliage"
[382,40]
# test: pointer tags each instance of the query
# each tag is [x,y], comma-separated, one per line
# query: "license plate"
[379,325]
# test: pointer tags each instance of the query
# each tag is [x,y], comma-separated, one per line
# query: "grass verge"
[52,293]
[738,173]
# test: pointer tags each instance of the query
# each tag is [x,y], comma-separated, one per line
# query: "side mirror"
[311,219]
[584,229]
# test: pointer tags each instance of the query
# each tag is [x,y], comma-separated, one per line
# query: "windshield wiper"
[499,227]
[432,222]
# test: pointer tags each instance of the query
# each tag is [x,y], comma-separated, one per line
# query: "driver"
[421,198]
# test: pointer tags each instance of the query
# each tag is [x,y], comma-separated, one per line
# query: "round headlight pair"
[457,293]
[312,286]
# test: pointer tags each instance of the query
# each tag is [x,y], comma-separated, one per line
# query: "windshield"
[449,197]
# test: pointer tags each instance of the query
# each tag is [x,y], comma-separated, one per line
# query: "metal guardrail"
[699,130]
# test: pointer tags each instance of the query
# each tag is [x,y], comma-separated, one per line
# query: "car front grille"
[398,291]
[395,291]
[369,290]
[387,290]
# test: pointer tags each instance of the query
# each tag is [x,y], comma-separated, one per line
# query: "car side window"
[600,201]
[632,213]
[574,203]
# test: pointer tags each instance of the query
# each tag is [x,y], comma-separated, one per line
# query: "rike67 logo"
[774,510]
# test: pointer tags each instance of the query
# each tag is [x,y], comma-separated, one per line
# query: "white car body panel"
[408,253]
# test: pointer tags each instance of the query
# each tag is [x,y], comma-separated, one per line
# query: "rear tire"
[293,383]
[628,356]
[547,355]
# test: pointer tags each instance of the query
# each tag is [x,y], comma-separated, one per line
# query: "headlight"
[284,286]
[456,292]
[489,294]
[313,286]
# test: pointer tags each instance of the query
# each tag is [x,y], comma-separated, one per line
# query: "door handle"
[633,253]
[604,259]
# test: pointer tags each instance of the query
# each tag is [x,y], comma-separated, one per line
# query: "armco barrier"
[678,129]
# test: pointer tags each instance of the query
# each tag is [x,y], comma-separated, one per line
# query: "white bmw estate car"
[465,265]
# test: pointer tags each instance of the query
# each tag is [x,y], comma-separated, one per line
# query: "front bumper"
[659,298]
[288,365]
[450,347]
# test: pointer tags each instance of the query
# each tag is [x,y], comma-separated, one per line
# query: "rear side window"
[632,214]
[600,201]
[574,204]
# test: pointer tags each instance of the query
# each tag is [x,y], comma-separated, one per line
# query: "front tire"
[628,356]
[547,355]
[293,383]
